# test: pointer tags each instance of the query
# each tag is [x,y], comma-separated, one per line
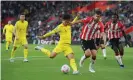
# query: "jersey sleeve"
[56,30]
[85,20]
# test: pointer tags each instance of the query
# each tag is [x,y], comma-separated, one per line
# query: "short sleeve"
[16,25]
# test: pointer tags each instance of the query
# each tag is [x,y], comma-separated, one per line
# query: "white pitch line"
[29,57]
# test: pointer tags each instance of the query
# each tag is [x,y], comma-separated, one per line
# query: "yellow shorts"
[20,42]
[66,48]
[9,39]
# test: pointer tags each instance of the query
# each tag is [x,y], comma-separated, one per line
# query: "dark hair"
[98,12]
[115,14]
[66,17]
[22,14]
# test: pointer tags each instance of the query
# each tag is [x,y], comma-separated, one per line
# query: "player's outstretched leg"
[45,51]
[25,53]
[93,58]
[13,54]
[85,56]
[73,63]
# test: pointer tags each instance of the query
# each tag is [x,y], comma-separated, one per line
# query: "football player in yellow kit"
[64,44]
[20,33]
[8,31]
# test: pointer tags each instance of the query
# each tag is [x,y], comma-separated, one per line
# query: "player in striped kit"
[91,25]
[114,28]
[100,43]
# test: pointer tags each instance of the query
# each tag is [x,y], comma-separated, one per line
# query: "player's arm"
[27,30]
[56,30]
[76,18]
[14,31]
[103,35]
[106,27]
[78,21]
[4,30]
[85,20]
[123,33]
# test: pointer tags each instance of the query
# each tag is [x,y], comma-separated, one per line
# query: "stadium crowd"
[43,16]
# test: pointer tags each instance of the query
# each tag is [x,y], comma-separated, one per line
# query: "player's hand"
[40,37]
[78,14]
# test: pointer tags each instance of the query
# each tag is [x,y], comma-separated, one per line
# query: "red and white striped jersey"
[90,27]
[114,30]
[97,34]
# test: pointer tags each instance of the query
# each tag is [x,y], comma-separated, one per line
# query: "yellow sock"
[13,53]
[45,51]
[73,64]
[25,53]
[7,45]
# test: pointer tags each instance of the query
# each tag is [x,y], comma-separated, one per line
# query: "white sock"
[92,61]
[118,58]
[107,43]
[104,52]
[91,66]
[83,58]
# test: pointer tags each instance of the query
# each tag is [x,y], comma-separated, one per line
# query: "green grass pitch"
[40,67]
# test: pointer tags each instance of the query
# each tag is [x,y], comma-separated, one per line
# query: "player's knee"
[97,47]
[121,52]
[14,48]
[116,54]
[94,57]
[52,57]
[93,54]
[115,49]
[102,46]
[70,56]
[87,53]
[26,46]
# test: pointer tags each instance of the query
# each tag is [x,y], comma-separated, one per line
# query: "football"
[65,69]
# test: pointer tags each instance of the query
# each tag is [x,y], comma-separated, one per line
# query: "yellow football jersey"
[21,28]
[9,30]
[64,32]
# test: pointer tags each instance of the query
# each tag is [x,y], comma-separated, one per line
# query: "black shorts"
[88,44]
[114,42]
[99,41]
